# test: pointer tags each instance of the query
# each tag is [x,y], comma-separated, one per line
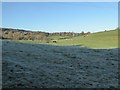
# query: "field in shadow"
[46,66]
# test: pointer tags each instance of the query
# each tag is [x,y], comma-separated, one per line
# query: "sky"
[60,16]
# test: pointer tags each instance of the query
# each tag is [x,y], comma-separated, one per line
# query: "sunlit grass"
[108,39]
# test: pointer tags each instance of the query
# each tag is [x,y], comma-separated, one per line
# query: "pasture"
[105,39]
[28,65]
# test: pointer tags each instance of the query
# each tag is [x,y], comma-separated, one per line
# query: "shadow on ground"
[45,66]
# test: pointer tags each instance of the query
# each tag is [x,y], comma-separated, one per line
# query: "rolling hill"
[106,39]
[62,64]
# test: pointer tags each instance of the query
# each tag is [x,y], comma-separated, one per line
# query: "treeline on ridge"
[17,34]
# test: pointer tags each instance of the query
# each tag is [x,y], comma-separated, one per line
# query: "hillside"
[18,34]
[26,65]
[106,39]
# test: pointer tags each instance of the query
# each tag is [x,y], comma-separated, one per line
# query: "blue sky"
[60,17]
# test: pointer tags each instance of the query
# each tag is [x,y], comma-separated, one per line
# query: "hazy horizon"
[60,17]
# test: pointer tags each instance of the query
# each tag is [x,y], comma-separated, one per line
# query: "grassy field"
[106,39]
[47,66]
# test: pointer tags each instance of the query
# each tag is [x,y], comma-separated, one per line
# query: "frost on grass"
[46,66]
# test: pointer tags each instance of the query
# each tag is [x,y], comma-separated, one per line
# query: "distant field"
[108,39]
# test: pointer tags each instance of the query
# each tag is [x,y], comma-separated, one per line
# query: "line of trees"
[68,34]
[16,34]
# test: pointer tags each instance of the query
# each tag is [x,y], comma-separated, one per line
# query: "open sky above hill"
[60,16]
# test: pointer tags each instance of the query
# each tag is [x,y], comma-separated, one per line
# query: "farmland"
[105,39]
[87,61]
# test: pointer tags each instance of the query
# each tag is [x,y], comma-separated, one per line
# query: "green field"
[106,39]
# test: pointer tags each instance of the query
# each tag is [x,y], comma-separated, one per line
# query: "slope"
[106,39]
